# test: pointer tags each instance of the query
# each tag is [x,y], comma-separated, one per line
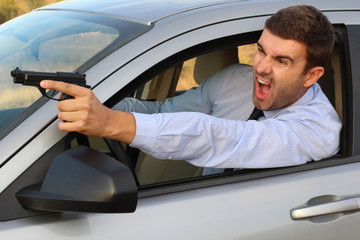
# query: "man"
[299,123]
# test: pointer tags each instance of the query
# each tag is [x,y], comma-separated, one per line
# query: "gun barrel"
[33,78]
[17,76]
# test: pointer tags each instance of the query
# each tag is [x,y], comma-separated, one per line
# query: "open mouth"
[262,82]
[263,88]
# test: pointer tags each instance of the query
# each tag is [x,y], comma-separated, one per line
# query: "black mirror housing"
[83,180]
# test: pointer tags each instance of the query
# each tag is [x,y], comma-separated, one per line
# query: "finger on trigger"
[67,88]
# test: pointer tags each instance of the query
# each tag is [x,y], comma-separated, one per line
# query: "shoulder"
[237,68]
[313,105]
[233,73]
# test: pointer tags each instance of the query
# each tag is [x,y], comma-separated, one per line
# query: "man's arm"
[219,143]
[190,101]
[131,104]
[218,95]
[85,114]
[204,140]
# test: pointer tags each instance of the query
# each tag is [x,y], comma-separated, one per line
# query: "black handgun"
[32,78]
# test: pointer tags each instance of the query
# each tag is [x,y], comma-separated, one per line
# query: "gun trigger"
[43,92]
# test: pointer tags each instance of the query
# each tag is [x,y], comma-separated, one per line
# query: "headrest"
[210,63]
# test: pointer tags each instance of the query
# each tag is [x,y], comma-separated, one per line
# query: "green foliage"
[13,8]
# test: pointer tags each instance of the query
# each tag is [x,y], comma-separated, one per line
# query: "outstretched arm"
[282,140]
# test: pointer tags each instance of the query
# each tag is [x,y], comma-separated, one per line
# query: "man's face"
[278,72]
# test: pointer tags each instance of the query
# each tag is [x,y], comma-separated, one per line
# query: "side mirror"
[83,180]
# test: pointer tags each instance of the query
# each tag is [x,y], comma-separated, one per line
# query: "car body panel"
[228,214]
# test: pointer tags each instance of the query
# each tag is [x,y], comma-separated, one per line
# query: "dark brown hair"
[307,25]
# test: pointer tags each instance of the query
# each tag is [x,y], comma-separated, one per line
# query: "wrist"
[120,126]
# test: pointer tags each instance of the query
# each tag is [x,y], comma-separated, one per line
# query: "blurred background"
[12,8]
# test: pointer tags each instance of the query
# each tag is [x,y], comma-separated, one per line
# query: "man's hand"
[87,115]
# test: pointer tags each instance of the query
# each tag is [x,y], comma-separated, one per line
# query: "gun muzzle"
[18,76]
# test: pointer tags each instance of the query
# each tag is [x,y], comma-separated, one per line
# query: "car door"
[251,204]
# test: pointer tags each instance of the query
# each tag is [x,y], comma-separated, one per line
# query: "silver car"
[55,185]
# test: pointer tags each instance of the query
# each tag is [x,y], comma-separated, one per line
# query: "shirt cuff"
[146,132]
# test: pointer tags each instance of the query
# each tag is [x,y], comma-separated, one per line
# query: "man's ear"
[313,75]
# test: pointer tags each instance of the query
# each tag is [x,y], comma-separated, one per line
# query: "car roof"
[140,10]
[150,11]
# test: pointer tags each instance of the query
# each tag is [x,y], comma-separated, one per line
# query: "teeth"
[262,82]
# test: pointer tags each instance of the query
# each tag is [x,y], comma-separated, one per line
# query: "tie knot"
[256,113]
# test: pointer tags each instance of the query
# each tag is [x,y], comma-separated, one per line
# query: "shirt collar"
[309,94]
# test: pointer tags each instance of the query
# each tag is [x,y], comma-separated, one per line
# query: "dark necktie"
[256,113]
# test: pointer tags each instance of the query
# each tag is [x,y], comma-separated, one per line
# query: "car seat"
[151,170]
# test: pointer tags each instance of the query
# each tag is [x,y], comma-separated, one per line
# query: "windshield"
[51,41]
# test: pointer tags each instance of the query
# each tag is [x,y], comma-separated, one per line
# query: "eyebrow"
[279,56]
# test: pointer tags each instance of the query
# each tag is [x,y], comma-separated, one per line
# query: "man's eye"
[260,50]
[281,61]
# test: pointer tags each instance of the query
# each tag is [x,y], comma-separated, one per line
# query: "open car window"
[181,77]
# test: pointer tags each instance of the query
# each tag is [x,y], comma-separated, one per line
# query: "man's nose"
[264,65]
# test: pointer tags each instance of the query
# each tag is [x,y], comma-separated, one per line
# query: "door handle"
[326,205]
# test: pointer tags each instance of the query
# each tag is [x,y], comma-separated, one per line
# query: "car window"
[47,42]
[183,76]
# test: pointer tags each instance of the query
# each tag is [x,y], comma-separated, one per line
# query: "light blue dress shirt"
[227,94]
[307,130]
